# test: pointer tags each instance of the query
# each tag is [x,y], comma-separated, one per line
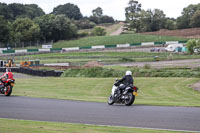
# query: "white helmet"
[8,70]
[128,73]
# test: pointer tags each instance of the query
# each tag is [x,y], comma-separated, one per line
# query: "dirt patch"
[117,32]
[93,64]
[187,63]
[187,33]
[196,86]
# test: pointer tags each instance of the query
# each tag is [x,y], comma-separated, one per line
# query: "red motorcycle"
[6,86]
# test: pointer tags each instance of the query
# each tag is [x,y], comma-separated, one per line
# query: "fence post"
[37,43]
[23,44]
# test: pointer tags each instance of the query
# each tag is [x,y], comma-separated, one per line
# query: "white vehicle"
[172,47]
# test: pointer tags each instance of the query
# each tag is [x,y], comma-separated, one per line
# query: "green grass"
[105,57]
[153,91]
[110,40]
[24,126]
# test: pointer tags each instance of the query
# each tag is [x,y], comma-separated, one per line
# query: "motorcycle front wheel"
[130,98]
[110,100]
[8,91]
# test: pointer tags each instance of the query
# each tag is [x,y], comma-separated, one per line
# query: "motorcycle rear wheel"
[131,98]
[8,91]
[110,100]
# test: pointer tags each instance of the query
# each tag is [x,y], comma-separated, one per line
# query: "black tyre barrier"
[2,69]
[58,73]
[29,71]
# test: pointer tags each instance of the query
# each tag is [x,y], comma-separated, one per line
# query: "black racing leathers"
[127,80]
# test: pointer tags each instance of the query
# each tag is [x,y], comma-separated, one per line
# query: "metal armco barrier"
[29,71]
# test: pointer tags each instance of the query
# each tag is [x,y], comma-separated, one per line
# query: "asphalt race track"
[174,118]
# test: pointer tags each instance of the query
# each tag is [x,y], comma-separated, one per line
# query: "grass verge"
[104,57]
[24,126]
[152,91]
[110,40]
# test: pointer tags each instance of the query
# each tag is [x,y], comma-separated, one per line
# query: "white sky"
[114,8]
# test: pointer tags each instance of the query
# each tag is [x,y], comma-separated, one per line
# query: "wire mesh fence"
[30,44]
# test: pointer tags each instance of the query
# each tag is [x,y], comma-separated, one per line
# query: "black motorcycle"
[124,96]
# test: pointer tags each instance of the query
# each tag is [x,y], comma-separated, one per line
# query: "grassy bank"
[23,126]
[119,39]
[153,91]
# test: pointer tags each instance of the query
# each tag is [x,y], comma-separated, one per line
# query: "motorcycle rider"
[7,75]
[127,81]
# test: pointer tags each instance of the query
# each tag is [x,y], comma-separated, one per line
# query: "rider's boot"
[5,89]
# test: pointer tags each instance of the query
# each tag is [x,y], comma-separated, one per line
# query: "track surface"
[175,118]
[191,63]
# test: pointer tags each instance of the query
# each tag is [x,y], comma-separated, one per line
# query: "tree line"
[21,23]
[141,20]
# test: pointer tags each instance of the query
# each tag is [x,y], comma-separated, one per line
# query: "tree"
[99,18]
[25,30]
[193,45]
[46,26]
[98,31]
[187,14]
[143,23]
[32,11]
[4,11]
[133,13]
[170,24]
[158,20]
[16,10]
[5,30]
[195,20]
[63,28]
[70,10]
[106,19]
[94,19]
[150,20]
[55,27]
[98,12]
[182,22]
[132,10]
[85,24]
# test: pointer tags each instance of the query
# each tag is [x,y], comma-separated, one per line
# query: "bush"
[85,24]
[193,45]
[124,59]
[147,66]
[98,31]
[137,72]
[84,34]
[91,72]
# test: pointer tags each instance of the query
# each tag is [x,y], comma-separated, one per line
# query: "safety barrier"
[90,47]
[34,72]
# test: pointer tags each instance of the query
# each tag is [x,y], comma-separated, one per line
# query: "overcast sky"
[114,8]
